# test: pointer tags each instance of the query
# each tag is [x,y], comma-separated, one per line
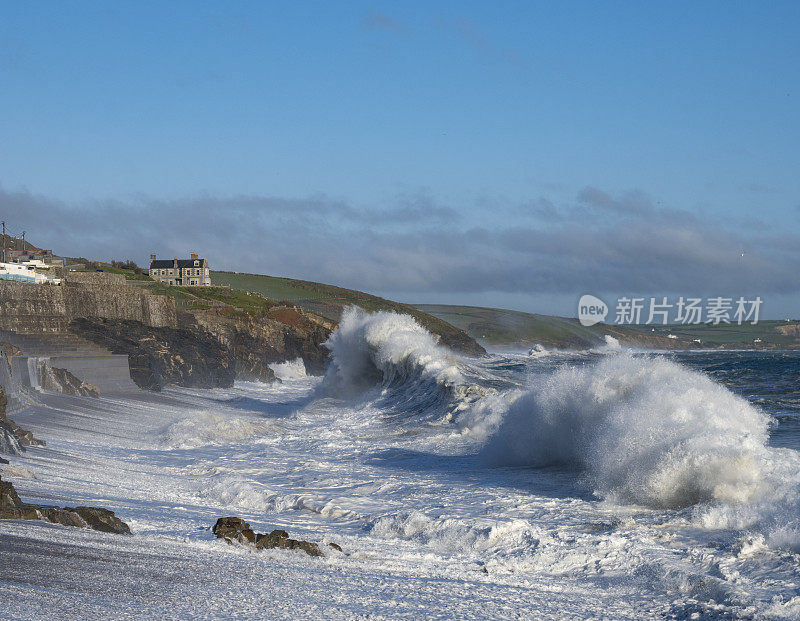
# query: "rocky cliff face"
[282,334]
[159,356]
[212,347]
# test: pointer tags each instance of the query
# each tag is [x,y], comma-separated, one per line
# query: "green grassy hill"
[329,301]
[767,333]
[505,328]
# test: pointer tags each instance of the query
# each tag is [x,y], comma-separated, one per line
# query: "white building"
[21,272]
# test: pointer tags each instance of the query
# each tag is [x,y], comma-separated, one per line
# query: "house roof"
[160,264]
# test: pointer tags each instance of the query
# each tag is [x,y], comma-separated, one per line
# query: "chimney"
[175,263]
[152,256]
[193,256]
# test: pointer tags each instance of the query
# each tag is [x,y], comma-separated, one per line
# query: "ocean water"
[606,484]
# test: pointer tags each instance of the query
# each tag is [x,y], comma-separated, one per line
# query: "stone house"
[191,272]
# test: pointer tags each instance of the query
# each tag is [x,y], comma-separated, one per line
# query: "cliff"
[212,347]
[159,356]
[259,339]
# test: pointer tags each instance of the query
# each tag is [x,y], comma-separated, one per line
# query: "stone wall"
[36,309]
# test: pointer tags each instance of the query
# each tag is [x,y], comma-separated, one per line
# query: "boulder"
[14,439]
[97,518]
[265,542]
[63,381]
[65,517]
[9,444]
[101,519]
[9,500]
[234,529]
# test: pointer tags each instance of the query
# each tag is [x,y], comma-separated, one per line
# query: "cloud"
[474,36]
[418,246]
[633,202]
[378,21]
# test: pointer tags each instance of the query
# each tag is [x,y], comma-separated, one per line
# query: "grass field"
[505,328]
[770,332]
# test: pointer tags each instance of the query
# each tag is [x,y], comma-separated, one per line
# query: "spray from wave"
[289,370]
[641,430]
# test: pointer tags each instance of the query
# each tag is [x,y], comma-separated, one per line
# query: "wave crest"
[392,353]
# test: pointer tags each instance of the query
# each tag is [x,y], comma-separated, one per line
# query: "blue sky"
[509,154]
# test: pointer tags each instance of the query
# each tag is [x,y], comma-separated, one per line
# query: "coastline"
[100,451]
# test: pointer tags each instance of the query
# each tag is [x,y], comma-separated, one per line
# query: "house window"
[196,263]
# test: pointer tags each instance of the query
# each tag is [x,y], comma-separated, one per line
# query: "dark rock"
[101,519]
[25,437]
[8,497]
[266,542]
[192,358]
[9,349]
[22,437]
[61,380]
[233,529]
[335,546]
[65,517]
[229,524]
[97,518]
[8,439]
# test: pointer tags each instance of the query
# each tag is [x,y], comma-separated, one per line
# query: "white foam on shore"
[425,525]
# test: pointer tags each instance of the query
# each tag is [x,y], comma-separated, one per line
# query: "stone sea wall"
[36,309]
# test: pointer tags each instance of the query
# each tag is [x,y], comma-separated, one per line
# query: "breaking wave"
[457,536]
[644,431]
[205,428]
[390,357]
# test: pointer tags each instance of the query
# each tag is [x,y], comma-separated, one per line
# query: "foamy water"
[609,484]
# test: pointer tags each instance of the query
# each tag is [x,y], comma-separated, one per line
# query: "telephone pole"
[4,241]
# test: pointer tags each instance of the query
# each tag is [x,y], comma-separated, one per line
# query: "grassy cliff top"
[329,301]
[506,328]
